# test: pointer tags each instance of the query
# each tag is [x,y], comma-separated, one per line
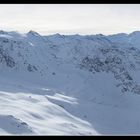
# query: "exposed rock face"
[31,68]
[114,62]
[96,53]
[5,58]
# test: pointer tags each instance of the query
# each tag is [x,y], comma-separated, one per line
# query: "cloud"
[70,18]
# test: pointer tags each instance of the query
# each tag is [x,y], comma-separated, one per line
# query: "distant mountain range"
[89,84]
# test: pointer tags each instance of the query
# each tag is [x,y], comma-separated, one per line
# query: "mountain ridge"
[69,84]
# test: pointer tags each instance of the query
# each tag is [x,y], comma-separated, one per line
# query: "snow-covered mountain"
[69,84]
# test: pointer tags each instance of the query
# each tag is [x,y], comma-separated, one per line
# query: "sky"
[70,18]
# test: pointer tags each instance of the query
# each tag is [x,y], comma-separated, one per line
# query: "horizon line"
[66,34]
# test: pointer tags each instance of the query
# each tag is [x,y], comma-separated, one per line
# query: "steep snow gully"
[69,84]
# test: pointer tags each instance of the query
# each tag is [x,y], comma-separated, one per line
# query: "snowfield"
[27,109]
[69,85]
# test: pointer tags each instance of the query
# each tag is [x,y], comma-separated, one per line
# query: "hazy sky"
[70,18]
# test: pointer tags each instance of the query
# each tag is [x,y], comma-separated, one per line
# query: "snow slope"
[26,109]
[69,85]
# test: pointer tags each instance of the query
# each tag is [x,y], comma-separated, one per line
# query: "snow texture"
[69,84]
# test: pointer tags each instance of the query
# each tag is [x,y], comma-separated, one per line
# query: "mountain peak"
[2,32]
[57,35]
[135,33]
[33,33]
